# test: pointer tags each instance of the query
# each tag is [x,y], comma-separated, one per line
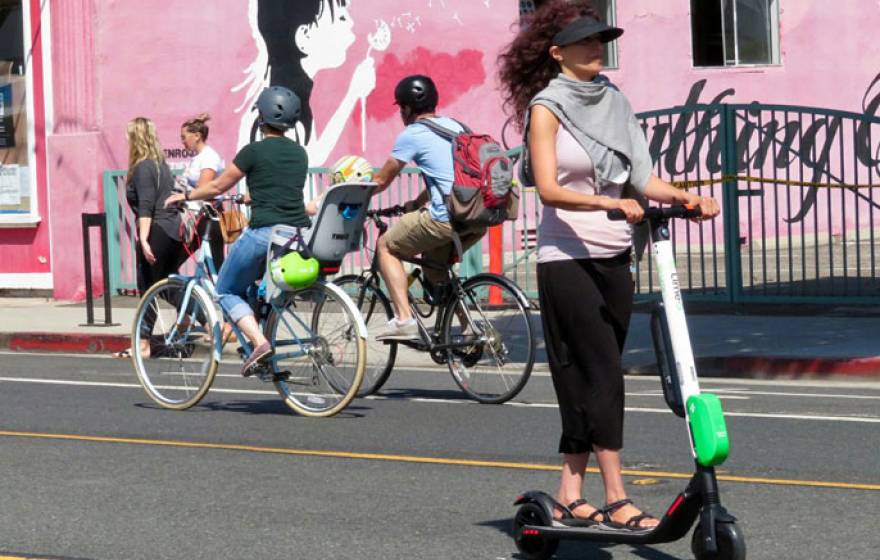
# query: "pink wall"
[172,80]
[116,60]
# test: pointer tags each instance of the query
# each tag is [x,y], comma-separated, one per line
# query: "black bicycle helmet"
[278,107]
[417,92]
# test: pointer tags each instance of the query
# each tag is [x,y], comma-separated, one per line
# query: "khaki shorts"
[417,233]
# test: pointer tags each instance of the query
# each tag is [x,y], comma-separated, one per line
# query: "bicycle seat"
[339,225]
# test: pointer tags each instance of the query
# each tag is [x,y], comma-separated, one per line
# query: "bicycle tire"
[505,338]
[323,323]
[375,308]
[186,355]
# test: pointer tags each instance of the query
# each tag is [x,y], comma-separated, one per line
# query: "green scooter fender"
[708,429]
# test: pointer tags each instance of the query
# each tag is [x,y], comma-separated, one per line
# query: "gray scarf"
[602,121]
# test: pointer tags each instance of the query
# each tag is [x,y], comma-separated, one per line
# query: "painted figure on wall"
[295,40]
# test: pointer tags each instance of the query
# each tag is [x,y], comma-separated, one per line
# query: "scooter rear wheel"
[730,540]
[532,547]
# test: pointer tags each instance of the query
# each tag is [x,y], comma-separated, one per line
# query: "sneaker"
[400,330]
[260,354]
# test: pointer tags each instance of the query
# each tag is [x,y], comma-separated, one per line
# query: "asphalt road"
[91,469]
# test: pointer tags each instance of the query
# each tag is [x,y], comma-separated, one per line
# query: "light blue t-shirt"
[433,154]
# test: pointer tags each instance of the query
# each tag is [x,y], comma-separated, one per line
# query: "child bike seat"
[339,225]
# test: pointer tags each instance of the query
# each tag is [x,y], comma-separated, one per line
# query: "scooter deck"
[674,524]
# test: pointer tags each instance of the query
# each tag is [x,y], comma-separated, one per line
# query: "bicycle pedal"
[264,373]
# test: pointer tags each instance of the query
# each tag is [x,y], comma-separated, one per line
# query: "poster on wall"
[7,127]
[10,185]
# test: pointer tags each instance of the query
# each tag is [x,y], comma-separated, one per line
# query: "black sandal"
[634,523]
[571,520]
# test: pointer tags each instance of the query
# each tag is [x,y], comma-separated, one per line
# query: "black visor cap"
[584,27]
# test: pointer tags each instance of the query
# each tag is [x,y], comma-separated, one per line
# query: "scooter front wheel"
[729,538]
[532,547]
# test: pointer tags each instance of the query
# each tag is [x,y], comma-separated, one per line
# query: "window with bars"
[606,9]
[735,32]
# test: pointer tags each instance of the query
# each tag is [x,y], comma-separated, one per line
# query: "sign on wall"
[10,185]
[7,127]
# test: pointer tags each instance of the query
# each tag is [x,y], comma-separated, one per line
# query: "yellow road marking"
[425,460]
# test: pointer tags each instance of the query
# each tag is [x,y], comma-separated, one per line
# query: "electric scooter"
[717,536]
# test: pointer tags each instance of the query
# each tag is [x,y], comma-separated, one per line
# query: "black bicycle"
[482,325]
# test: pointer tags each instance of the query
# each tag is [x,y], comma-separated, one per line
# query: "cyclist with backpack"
[429,141]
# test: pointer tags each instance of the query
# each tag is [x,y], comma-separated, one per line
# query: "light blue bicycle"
[317,332]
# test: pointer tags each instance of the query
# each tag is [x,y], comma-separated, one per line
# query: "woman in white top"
[202,169]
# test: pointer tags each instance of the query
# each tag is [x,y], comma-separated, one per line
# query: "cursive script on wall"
[801,142]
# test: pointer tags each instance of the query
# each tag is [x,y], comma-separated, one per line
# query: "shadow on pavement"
[254,407]
[422,394]
[578,550]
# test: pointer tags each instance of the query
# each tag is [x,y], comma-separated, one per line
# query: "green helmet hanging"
[294,271]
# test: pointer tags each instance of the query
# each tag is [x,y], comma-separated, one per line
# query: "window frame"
[610,60]
[774,39]
[32,217]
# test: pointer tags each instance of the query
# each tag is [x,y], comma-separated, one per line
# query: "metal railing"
[122,228]
[800,208]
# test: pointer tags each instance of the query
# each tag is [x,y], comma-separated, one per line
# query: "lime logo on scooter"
[711,443]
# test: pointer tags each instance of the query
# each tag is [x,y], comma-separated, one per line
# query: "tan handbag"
[232,223]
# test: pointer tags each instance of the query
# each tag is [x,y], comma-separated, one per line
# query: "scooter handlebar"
[655,213]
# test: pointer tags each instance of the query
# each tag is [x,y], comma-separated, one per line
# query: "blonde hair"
[143,144]
[198,125]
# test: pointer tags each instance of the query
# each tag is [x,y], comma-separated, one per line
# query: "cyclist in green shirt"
[276,168]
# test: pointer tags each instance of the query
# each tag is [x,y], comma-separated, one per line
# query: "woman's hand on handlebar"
[631,208]
[709,207]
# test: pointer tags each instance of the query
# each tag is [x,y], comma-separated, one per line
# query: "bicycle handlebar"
[655,213]
[236,198]
[396,210]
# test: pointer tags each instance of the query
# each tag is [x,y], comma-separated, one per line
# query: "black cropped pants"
[586,306]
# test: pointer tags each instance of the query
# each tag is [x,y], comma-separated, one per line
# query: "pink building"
[74,72]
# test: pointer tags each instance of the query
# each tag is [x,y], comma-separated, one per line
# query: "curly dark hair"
[525,65]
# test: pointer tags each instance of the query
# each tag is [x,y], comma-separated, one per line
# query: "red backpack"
[483,192]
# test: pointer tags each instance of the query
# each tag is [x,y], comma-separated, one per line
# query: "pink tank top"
[567,234]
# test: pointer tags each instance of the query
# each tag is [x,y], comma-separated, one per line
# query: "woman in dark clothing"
[585,147]
[148,183]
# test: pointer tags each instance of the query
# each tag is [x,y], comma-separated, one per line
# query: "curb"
[718,366]
[776,366]
[84,343]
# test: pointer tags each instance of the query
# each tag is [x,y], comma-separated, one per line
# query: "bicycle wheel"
[376,310]
[490,314]
[320,350]
[182,362]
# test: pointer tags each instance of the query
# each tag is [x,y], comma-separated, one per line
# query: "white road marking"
[817,417]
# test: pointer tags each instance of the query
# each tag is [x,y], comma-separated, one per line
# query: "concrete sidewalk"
[728,342]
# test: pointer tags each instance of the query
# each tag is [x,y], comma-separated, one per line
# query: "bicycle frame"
[205,278]
[430,342]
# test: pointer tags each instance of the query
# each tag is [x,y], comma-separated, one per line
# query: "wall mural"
[295,41]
